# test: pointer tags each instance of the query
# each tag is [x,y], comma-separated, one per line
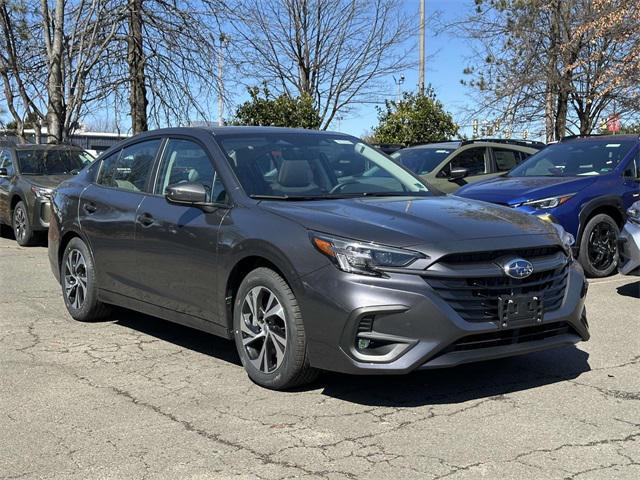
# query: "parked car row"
[311,250]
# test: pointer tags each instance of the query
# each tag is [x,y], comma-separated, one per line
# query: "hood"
[408,221]
[513,190]
[46,181]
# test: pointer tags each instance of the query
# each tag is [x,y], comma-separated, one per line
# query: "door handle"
[89,207]
[146,219]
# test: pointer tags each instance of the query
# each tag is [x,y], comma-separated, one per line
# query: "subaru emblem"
[518,268]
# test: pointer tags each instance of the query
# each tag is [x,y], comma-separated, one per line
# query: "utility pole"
[422,53]
[223,42]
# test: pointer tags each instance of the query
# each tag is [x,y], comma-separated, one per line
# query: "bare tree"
[19,64]
[335,51]
[555,61]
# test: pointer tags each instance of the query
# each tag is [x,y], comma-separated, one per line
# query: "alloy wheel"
[603,246]
[20,223]
[75,279]
[264,329]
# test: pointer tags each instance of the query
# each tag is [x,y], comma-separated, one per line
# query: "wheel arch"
[65,238]
[242,267]
[15,199]
[609,205]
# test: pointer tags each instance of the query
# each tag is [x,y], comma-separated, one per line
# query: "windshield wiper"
[335,196]
[289,197]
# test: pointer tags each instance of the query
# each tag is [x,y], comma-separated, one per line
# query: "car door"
[176,245]
[107,214]
[5,185]
[631,181]
[475,160]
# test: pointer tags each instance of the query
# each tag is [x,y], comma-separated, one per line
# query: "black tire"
[599,246]
[22,229]
[293,368]
[84,307]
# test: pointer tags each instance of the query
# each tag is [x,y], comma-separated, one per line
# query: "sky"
[446,59]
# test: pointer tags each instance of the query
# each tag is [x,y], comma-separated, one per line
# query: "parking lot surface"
[137,397]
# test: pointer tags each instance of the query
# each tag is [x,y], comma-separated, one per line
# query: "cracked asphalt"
[136,397]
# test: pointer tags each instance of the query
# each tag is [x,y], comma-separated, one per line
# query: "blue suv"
[583,183]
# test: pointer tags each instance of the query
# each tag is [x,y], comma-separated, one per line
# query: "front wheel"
[22,225]
[79,287]
[269,332]
[599,246]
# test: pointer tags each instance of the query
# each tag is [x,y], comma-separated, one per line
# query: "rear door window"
[130,169]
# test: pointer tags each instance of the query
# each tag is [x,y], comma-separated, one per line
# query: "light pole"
[399,82]
[224,41]
[422,49]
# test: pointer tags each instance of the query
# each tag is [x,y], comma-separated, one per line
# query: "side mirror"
[4,172]
[191,194]
[458,173]
[186,193]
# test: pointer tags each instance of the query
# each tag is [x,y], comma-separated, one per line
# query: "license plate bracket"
[520,310]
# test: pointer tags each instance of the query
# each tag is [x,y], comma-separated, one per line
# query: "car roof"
[45,146]
[232,130]
[448,144]
[600,138]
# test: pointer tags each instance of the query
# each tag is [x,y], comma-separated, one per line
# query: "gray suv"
[28,175]
[312,251]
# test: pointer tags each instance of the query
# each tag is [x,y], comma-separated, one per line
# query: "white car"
[629,243]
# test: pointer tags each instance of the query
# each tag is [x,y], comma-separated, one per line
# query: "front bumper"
[629,248]
[416,328]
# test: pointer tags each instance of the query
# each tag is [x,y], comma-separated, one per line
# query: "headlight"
[567,239]
[41,192]
[358,257]
[551,202]
[633,213]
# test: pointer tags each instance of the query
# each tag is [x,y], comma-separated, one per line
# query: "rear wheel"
[22,225]
[269,332]
[599,246]
[79,287]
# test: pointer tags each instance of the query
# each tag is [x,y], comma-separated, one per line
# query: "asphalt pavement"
[136,397]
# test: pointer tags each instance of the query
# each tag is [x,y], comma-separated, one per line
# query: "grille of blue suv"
[476,298]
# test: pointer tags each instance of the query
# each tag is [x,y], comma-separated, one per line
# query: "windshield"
[573,159]
[422,160]
[52,161]
[312,165]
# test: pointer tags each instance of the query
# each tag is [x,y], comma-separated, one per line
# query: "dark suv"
[312,251]
[28,175]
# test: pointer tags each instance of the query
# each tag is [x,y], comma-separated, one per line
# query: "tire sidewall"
[27,225]
[288,369]
[584,246]
[91,300]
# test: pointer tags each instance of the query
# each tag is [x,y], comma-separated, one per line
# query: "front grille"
[510,337]
[473,257]
[476,298]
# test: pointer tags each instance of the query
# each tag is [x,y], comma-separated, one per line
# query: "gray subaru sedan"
[312,251]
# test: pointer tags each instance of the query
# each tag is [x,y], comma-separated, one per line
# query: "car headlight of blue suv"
[545,203]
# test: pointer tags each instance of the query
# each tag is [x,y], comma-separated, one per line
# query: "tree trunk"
[136,62]
[561,114]
[56,111]
[549,106]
